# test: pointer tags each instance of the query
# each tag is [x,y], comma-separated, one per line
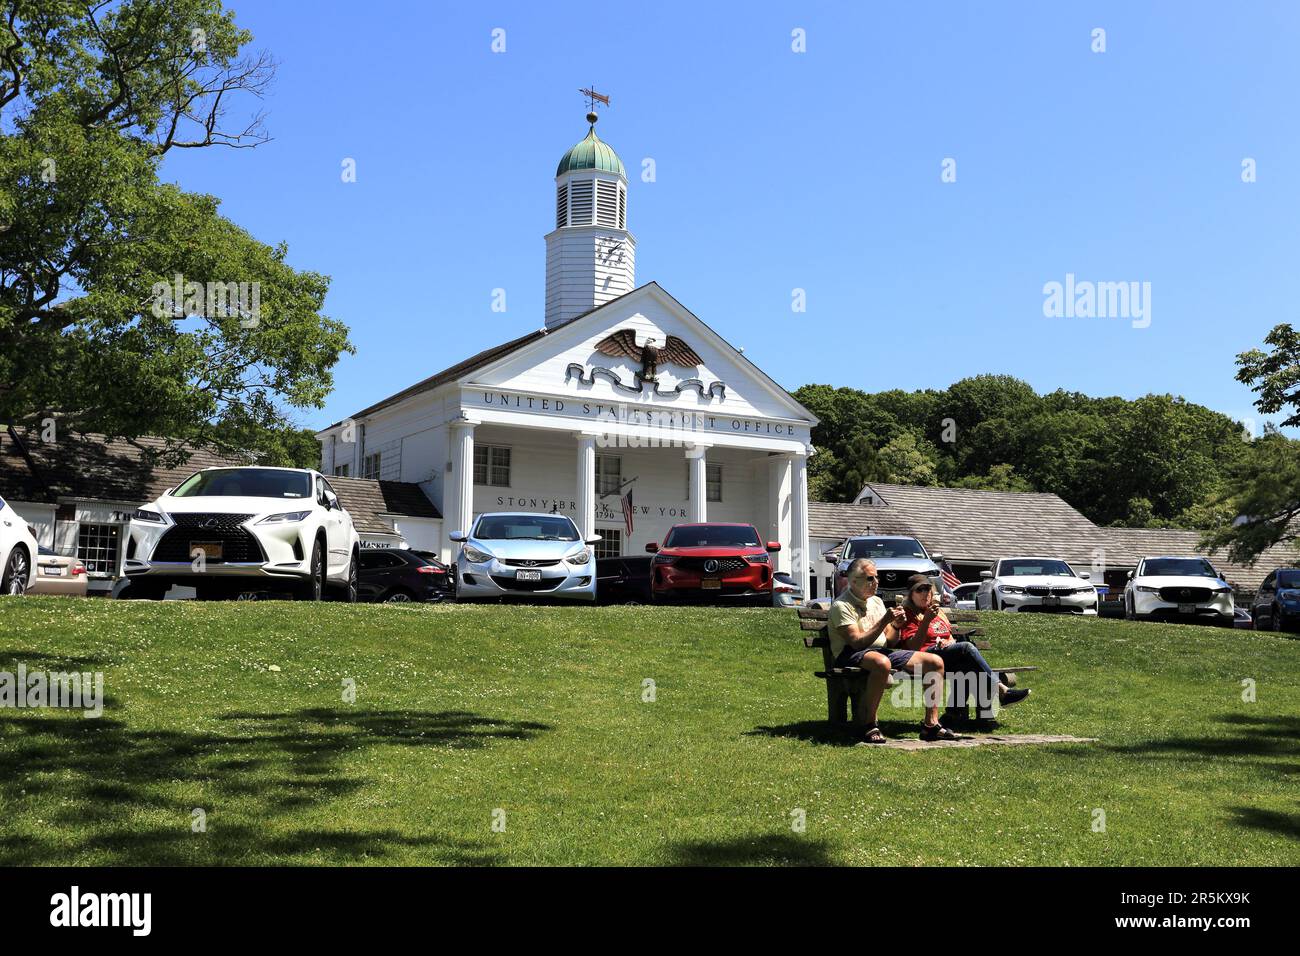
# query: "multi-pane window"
[370,466]
[341,471]
[609,474]
[97,546]
[712,481]
[492,465]
[610,544]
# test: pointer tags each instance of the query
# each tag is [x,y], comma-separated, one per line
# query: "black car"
[399,574]
[1276,606]
[623,580]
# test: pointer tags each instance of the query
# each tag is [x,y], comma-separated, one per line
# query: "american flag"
[945,572]
[627,510]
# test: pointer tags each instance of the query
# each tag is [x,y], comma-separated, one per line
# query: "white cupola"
[590,257]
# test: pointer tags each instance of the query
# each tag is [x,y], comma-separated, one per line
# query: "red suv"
[710,561]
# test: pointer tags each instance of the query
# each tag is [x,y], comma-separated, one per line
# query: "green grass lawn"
[462,711]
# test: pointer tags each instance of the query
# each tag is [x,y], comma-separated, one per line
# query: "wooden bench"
[849,684]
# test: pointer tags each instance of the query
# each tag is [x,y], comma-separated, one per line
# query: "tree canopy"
[1154,461]
[127,305]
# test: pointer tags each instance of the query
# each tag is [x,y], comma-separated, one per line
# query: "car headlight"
[287,518]
[662,559]
[1226,590]
[758,559]
[1146,590]
[1288,597]
[579,557]
[1010,589]
[151,517]
[475,556]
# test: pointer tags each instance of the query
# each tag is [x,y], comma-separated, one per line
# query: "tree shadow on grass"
[773,849]
[1273,739]
[109,784]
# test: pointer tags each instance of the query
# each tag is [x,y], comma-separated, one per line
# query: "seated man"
[925,627]
[861,632]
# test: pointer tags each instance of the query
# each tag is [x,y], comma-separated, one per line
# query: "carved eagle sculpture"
[622,344]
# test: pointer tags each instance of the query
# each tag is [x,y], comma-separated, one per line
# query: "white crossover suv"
[1173,588]
[226,531]
[523,555]
[1036,584]
[17,551]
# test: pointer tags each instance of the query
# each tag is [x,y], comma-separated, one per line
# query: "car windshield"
[1174,567]
[1034,566]
[246,483]
[525,528]
[1288,579]
[884,548]
[712,536]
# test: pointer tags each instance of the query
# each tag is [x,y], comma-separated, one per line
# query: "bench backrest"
[814,619]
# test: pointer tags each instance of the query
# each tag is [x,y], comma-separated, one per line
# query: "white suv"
[17,551]
[1173,588]
[226,531]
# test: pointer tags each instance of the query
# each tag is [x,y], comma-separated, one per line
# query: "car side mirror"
[937,557]
[832,559]
[986,575]
[1130,575]
[652,548]
[457,536]
[774,546]
[1086,575]
[595,539]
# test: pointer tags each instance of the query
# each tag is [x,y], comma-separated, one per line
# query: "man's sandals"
[871,735]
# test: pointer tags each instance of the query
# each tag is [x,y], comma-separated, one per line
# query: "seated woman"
[926,628]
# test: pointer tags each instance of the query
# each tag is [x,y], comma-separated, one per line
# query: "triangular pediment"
[569,361]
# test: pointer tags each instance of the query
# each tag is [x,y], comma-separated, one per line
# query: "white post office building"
[622,391]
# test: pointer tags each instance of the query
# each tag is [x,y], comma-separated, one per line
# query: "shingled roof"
[367,500]
[833,519]
[970,526]
[92,466]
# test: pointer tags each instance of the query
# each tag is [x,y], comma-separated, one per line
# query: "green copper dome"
[591,153]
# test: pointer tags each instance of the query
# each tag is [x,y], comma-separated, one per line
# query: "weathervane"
[592,99]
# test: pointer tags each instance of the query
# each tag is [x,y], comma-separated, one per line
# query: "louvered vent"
[622,207]
[562,206]
[580,204]
[607,204]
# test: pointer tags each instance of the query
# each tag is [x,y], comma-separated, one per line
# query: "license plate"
[711,584]
[1051,599]
[210,549]
[52,570]
[1187,609]
[528,575]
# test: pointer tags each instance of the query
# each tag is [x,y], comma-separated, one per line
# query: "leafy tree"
[998,478]
[93,96]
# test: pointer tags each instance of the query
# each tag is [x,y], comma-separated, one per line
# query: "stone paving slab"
[980,740]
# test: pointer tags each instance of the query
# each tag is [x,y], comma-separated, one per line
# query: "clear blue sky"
[778,170]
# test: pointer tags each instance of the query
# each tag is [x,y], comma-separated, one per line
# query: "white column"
[698,483]
[460,500]
[800,564]
[586,517]
[779,508]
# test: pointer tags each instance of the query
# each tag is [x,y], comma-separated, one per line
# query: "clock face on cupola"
[590,256]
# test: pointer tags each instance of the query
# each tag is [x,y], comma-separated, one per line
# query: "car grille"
[521,563]
[724,565]
[511,584]
[1184,595]
[1039,590]
[237,544]
[895,579]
